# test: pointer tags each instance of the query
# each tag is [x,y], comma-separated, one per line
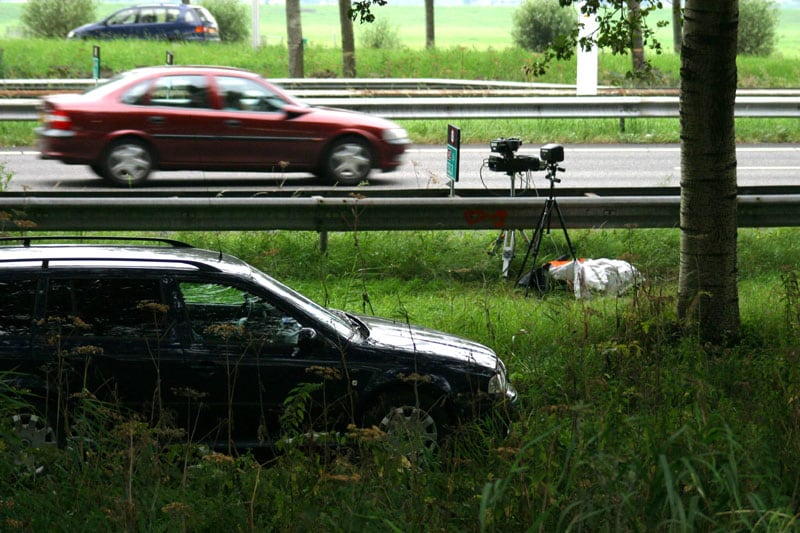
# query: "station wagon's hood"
[416,339]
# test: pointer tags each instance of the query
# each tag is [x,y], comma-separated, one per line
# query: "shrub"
[538,23]
[55,18]
[379,35]
[233,19]
[757,22]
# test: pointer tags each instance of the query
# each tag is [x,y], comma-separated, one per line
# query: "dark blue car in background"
[172,22]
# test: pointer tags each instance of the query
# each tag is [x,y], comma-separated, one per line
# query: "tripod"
[544,224]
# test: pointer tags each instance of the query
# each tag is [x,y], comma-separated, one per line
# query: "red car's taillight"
[58,120]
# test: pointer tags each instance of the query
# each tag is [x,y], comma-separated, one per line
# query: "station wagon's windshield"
[343,327]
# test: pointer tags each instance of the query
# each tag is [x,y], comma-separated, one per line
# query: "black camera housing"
[514,164]
[551,153]
[505,146]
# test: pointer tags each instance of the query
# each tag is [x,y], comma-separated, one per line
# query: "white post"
[255,30]
[587,60]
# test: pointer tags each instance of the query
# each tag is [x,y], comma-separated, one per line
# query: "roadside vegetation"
[622,424]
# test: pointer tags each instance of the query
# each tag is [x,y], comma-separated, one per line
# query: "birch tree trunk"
[708,297]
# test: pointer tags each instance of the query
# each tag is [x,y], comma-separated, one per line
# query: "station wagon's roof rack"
[131,261]
[27,241]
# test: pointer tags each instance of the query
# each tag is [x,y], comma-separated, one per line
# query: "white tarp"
[597,276]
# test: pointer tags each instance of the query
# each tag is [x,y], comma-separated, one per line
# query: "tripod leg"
[536,243]
[509,243]
[564,228]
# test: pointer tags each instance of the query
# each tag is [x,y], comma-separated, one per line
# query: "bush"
[538,23]
[233,18]
[55,18]
[379,35]
[757,22]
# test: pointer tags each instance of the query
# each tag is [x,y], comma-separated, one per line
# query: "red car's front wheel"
[348,161]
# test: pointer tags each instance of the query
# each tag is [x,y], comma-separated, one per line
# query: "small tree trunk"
[637,41]
[429,25]
[294,35]
[677,26]
[348,42]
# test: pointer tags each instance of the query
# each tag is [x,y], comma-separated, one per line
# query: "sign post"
[453,155]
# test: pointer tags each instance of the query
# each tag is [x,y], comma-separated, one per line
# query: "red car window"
[180,91]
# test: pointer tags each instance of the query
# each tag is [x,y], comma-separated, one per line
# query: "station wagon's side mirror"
[307,340]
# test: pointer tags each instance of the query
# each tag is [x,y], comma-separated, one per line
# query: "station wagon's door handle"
[233,123]
[156,120]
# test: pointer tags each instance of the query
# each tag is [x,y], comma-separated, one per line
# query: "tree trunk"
[708,297]
[294,36]
[429,25]
[637,41]
[677,26]
[348,42]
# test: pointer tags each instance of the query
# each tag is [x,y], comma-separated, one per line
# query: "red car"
[211,118]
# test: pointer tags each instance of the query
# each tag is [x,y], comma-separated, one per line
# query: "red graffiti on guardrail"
[475,216]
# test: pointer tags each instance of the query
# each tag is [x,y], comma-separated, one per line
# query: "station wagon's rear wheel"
[127,163]
[413,425]
[347,162]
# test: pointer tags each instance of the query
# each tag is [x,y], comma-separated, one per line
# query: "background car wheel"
[127,163]
[348,161]
[414,426]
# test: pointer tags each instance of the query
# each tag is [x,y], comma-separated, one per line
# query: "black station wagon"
[216,347]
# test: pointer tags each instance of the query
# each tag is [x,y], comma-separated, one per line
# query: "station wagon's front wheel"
[413,425]
[127,163]
[348,161]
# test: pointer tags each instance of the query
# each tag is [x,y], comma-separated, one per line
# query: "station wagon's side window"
[149,15]
[127,16]
[172,14]
[17,300]
[109,307]
[180,91]
[220,313]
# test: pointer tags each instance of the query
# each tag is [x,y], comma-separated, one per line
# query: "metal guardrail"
[432,98]
[352,85]
[350,214]
[414,108]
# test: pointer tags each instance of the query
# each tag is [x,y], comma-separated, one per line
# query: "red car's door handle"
[156,120]
[233,123]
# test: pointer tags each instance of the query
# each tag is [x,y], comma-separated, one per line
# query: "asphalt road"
[586,166]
